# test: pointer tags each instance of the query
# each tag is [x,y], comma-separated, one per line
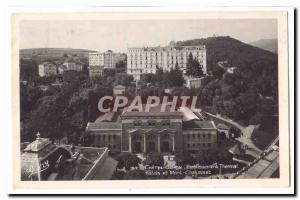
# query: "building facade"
[193,82]
[99,61]
[47,69]
[147,60]
[106,59]
[72,66]
[106,131]
[119,90]
[155,131]
[199,136]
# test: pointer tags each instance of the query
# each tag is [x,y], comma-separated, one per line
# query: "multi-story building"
[47,69]
[106,131]
[99,61]
[106,59]
[73,66]
[148,59]
[199,135]
[157,131]
[95,71]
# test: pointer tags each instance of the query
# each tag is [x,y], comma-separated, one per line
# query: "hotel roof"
[200,47]
[153,111]
[197,124]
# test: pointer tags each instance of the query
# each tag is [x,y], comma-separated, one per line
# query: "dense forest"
[238,95]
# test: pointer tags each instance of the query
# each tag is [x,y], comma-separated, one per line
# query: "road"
[246,134]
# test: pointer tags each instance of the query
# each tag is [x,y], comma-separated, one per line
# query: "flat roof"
[153,112]
[198,124]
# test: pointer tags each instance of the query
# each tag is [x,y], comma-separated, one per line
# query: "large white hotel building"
[148,59]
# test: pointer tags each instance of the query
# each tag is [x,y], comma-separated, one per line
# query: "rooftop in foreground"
[43,160]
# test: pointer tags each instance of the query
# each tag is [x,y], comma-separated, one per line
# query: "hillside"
[40,54]
[255,64]
[266,44]
[238,95]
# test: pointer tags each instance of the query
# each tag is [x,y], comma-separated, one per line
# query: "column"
[145,149]
[158,143]
[130,143]
[173,143]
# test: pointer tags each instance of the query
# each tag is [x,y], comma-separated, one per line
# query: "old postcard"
[147,100]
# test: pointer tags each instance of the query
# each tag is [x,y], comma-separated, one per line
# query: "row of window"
[198,145]
[151,123]
[105,137]
[181,53]
[193,136]
[182,59]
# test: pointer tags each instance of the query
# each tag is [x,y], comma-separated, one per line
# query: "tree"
[124,79]
[183,159]
[174,78]
[109,72]
[235,132]
[193,67]
[154,159]
[127,160]
[28,69]
[48,118]
[159,77]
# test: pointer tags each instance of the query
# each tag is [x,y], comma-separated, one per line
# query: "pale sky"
[118,35]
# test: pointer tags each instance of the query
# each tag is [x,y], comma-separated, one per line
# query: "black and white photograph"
[139,97]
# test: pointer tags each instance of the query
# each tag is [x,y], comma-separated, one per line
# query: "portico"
[151,140]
